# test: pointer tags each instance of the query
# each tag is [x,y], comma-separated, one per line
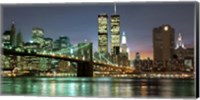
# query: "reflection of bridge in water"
[85,67]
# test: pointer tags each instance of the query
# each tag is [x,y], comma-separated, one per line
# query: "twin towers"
[103,33]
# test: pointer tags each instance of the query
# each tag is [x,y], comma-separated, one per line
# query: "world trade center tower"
[115,33]
[103,33]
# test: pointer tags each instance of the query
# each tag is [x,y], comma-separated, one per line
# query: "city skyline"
[136,42]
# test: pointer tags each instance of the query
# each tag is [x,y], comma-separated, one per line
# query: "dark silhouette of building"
[13,34]
[19,40]
[163,44]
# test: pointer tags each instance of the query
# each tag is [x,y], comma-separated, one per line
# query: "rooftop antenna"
[115,8]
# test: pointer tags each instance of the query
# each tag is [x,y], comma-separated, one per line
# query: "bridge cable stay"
[103,56]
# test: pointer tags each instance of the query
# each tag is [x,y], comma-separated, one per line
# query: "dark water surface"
[98,87]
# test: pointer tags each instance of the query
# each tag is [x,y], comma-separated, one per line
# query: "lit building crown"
[180,42]
[124,38]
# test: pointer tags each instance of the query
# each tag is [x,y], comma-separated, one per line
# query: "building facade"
[64,42]
[124,53]
[6,40]
[19,40]
[103,33]
[163,44]
[185,56]
[115,34]
[13,34]
[38,36]
[48,44]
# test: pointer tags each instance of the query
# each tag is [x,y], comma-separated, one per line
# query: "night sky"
[79,21]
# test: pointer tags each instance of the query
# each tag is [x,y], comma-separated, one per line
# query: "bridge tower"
[85,68]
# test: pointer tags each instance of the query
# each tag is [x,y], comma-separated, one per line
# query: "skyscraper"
[124,45]
[163,43]
[137,61]
[13,34]
[38,36]
[48,44]
[103,33]
[124,52]
[180,42]
[115,33]
[6,39]
[64,42]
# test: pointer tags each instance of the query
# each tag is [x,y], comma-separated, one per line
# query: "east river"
[98,87]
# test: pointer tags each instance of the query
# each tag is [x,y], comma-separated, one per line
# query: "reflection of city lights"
[53,88]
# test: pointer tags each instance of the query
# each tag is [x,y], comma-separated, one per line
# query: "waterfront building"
[163,44]
[9,37]
[31,47]
[48,44]
[137,61]
[146,64]
[32,63]
[103,33]
[38,36]
[56,45]
[185,56]
[64,42]
[6,40]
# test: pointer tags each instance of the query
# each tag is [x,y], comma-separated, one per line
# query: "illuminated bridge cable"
[103,56]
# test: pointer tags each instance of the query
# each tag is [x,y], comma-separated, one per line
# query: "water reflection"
[101,87]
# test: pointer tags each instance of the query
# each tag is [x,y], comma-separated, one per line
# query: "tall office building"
[163,43]
[19,40]
[115,33]
[137,61]
[38,36]
[124,52]
[56,45]
[6,39]
[13,34]
[48,44]
[64,42]
[124,45]
[103,33]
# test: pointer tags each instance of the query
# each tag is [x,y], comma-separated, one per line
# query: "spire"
[13,25]
[180,42]
[123,38]
[115,8]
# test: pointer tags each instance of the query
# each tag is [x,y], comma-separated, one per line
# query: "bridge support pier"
[85,69]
